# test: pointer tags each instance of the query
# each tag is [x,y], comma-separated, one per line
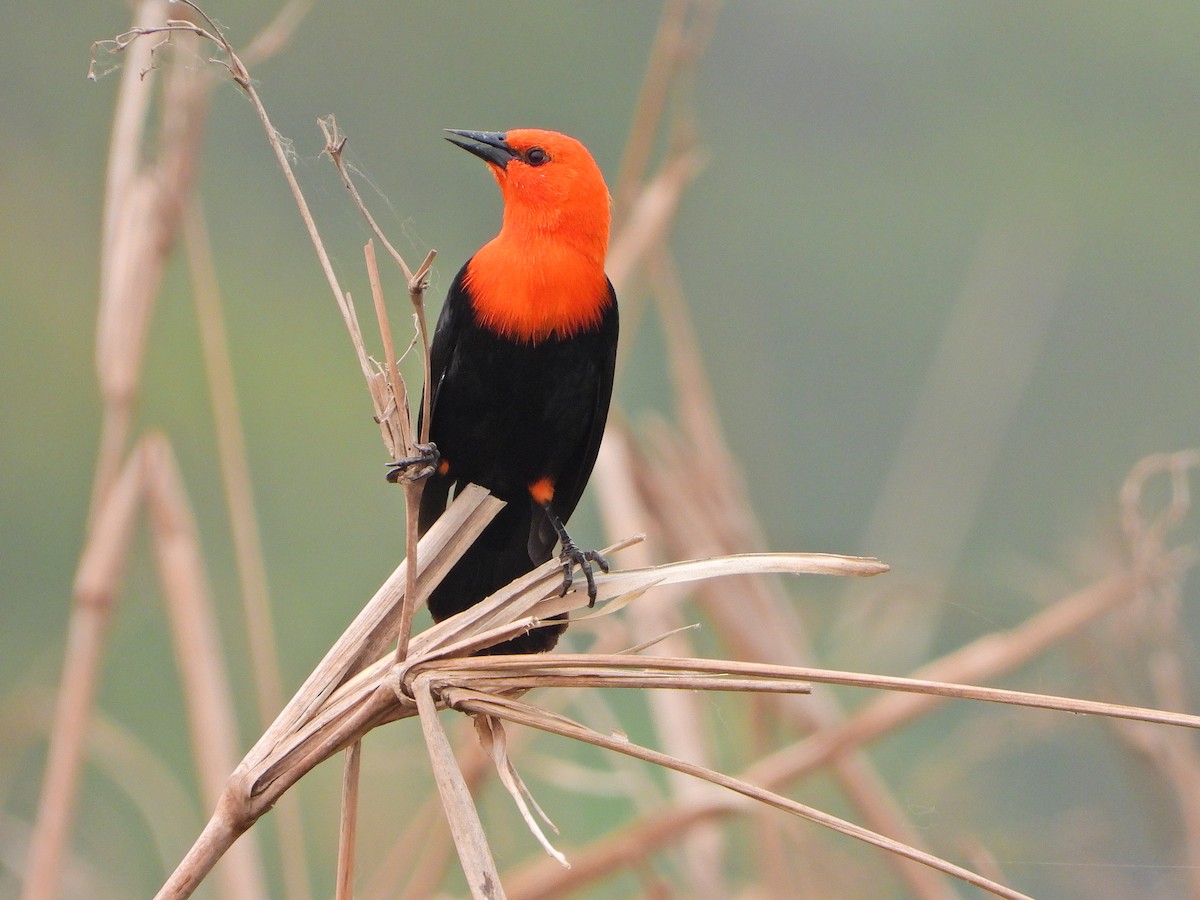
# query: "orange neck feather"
[530,290]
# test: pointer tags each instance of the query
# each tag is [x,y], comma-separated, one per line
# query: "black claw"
[425,463]
[572,556]
[567,565]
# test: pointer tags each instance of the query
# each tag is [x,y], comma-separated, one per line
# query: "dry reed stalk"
[717,519]
[348,830]
[698,457]
[414,866]
[208,696]
[469,838]
[986,658]
[143,200]
[243,521]
[723,508]
[511,710]
[344,698]
[97,583]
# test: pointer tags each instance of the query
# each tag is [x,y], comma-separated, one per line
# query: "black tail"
[500,555]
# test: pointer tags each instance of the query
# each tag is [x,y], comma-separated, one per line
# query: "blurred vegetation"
[862,159]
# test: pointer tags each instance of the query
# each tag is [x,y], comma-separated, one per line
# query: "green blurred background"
[942,262]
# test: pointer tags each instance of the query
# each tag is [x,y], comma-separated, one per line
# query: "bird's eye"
[535,156]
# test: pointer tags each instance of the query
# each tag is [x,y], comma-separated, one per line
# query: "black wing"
[578,468]
[455,313]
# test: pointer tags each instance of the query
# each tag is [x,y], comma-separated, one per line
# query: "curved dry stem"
[524,714]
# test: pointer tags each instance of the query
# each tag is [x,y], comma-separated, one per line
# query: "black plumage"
[506,414]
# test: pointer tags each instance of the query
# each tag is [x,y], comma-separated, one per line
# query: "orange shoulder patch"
[542,490]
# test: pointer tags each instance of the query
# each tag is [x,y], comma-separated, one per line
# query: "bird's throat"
[530,289]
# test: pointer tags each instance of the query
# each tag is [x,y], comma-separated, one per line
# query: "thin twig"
[417,285]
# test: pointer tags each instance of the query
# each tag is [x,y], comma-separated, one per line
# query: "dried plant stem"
[414,866]
[417,285]
[347,695]
[412,596]
[201,662]
[247,543]
[142,202]
[96,583]
[684,30]
[348,833]
[413,486]
[235,471]
[524,714]
[473,850]
[984,659]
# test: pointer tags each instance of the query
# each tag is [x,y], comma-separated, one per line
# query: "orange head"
[544,273]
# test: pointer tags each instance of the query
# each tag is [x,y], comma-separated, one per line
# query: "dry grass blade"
[348,826]
[473,850]
[495,744]
[988,657]
[504,673]
[537,593]
[522,713]
[617,583]
[388,390]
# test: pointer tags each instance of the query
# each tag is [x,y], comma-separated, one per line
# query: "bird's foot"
[414,468]
[571,557]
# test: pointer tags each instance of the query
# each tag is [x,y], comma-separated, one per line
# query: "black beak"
[487,145]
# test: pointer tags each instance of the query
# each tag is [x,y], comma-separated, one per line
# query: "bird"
[521,370]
